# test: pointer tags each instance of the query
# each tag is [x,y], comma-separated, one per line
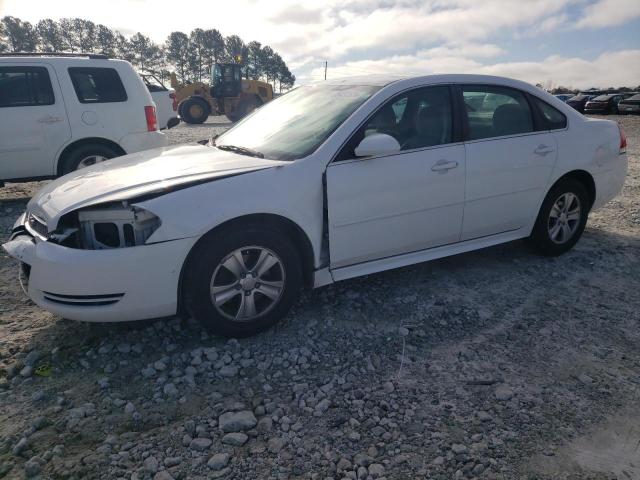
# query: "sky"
[576,43]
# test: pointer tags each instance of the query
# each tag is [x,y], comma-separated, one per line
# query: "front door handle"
[543,150]
[49,119]
[444,166]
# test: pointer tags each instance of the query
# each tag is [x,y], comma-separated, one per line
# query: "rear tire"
[226,294]
[562,218]
[194,110]
[87,155]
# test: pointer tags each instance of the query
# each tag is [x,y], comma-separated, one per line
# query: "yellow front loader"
[229,95]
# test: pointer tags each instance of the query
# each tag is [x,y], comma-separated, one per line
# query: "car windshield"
[602,98]
[294,125]
[635,97]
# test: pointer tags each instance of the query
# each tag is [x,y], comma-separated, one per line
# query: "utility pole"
[325,69]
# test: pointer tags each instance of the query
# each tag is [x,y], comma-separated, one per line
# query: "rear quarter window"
[552,118]
[97,85]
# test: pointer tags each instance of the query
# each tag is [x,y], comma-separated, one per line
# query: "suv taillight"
[623,139]
[152,120]
[172,96]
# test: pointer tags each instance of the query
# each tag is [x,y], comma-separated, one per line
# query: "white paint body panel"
[29,135]
[382,213]
[506,181]
[385,206]
[29,148]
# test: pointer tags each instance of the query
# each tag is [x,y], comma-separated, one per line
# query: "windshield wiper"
[241,150]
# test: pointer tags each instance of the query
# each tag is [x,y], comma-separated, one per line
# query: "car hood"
[158,170]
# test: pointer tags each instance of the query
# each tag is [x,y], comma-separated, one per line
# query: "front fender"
[287,191]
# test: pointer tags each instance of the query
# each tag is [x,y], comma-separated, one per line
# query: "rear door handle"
[543,150]
[49,119]
[443,166]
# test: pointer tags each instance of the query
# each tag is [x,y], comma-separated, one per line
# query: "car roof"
[66,60]
[384,80]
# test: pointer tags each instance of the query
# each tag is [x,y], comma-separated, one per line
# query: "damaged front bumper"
[112,285]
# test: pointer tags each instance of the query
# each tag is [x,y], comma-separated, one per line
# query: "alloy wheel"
[564,218]
[247,283]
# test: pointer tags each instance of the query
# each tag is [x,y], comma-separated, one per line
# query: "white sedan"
[330,181]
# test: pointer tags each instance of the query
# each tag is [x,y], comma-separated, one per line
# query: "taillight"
[623,139]
[172,96]
[152,120]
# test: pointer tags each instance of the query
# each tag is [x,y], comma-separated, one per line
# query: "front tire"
[194,110]
[562,218]
[242,280]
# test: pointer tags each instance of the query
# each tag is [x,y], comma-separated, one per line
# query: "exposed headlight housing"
[115,226]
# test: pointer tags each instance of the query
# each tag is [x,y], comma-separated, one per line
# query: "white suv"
[61,112]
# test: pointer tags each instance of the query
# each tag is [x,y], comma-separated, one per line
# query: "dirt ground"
[496,364]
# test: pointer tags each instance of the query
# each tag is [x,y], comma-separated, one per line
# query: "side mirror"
[377,144]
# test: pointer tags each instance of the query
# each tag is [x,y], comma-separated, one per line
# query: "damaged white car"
[330,181]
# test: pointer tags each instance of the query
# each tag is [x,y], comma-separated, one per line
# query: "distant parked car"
[331,181]
[62,112]
[604,104]
[578,101]
[630,104]
[564,96]
[165,100]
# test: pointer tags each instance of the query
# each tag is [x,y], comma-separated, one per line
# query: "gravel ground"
[496,364]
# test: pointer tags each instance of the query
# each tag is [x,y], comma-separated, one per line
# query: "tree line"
[189,56]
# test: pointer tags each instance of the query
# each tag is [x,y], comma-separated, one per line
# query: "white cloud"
[361,36]
[608,13]
[609,69]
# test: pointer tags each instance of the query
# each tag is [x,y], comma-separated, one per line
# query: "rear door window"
[496,111]
[25,86]
[97,85]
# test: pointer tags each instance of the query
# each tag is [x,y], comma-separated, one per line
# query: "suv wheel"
[242,280]
[562,218]
[86,156]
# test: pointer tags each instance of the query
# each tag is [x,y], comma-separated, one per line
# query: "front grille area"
[36,225]
[83,300]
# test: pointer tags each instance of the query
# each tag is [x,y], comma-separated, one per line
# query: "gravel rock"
[21,446]
[200,444]
[236,439]
[33,467]
[32,358]
[237,421]
[218,461]
[503,393]
[376,470]
[170,390]
[151,464]
[172,461]
[163,475]
[275,444]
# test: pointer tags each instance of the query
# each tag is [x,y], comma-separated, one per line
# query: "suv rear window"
[97,85]
[25,86]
